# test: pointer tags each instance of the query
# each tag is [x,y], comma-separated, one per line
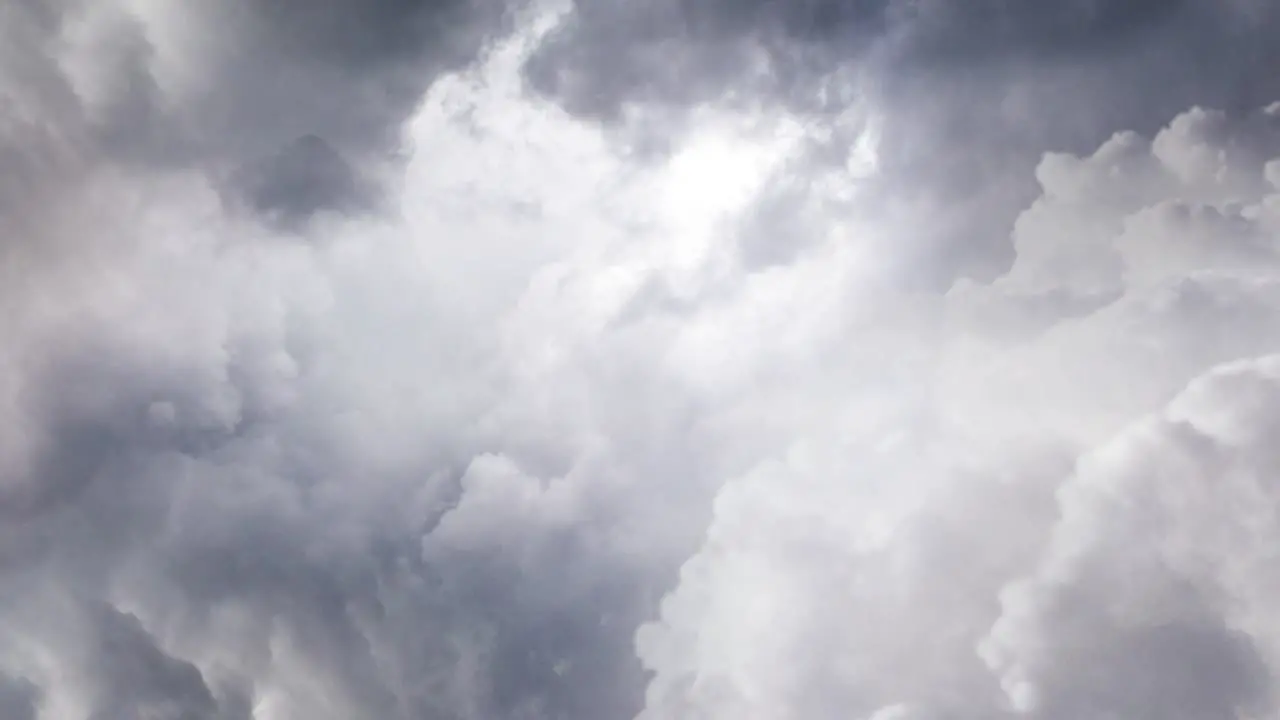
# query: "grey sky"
[668,360]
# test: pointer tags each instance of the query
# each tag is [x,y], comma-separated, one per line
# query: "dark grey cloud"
[609,54]
[1184,669]
[348,73]
[141,680]
[970,93]
[19,698]
[306,177]
[612,53]
[244,85]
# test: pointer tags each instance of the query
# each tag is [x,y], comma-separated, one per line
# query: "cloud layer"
[457,360]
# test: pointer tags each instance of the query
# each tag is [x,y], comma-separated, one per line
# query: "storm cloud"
[241,88]
[965,96]
[465,359]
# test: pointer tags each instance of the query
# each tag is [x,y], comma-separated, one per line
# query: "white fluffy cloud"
[948,561]
[572,431]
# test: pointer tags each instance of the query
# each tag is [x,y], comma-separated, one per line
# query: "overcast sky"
[639,360]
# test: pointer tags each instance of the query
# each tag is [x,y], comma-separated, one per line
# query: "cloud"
[968,95]
[943,558]
[18,699]
[306,177]
[238,88]
[1178,610]
[947,65]
[779,43]
[355,369]
[331,479]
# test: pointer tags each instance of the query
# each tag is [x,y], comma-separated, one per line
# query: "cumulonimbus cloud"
[474,411]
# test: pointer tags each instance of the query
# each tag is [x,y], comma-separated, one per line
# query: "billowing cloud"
[1155,569]
[968,95]
[356,365]
[911,566]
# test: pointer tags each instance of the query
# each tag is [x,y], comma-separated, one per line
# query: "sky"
[666,360]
